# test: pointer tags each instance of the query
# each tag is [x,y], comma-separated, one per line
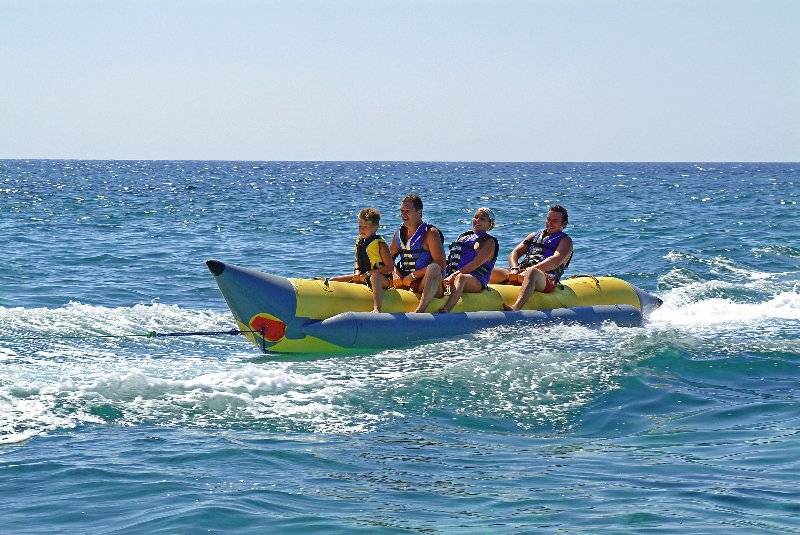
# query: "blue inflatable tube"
[385,331]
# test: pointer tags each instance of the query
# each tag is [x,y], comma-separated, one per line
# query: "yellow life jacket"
[368,254]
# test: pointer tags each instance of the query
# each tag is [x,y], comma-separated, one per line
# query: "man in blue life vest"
[539,260]
[418,248]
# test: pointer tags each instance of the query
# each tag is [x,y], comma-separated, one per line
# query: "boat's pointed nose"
[216,267]
[259,301]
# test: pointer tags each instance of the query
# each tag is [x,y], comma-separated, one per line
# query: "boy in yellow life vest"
[373,264]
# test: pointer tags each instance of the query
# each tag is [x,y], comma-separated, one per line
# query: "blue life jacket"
[462,252]
[544,246]
[411,254]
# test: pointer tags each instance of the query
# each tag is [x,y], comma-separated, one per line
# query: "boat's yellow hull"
[286,313]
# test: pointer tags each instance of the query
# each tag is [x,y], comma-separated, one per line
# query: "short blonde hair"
[370,215]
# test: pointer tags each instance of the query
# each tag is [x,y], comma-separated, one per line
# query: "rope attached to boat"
[150,334]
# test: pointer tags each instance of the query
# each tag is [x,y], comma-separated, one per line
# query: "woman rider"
[471,259]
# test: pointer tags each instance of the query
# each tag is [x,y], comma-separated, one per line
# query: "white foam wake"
[531,376]
[275,395]
[694,304]
[81,319]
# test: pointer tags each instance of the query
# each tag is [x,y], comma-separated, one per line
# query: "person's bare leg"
[533,280]
[499,276]
[462,283]
[376,280]
[430,286]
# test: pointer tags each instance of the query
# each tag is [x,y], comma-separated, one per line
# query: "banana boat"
[293,315]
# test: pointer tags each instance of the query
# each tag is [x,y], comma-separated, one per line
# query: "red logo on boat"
[273,328]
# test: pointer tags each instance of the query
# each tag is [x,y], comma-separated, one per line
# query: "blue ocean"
[689,424]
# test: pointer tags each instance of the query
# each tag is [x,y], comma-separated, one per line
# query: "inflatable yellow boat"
[288,315]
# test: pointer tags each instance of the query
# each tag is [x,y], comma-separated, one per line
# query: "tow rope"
[150,334]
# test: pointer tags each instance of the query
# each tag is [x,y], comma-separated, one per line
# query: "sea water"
[688,424]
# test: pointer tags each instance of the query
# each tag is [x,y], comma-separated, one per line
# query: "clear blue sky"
[566,80]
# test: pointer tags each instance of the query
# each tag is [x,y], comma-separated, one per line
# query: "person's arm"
[485,251]
[560,255]
[386,257]
[394,246]
[519,251]
[433,240]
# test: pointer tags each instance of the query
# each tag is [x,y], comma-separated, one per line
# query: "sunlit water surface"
[687,424]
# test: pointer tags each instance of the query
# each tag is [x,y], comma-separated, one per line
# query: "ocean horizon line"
[54,159]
